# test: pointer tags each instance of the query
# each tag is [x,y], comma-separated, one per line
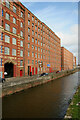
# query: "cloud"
[45,12]
[70,40]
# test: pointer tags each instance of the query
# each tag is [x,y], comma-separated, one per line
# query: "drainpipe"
[24,45]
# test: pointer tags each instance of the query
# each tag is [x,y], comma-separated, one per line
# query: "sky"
[62,18]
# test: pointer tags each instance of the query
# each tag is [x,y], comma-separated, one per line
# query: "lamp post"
[40,66]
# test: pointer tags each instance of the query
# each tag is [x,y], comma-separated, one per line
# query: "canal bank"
[73,110]
[14,85]
[49,100]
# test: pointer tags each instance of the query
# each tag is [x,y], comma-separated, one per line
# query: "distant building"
[28,46]
[74,61]
[66,59]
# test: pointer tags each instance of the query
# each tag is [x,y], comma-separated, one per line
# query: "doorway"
[8,67]
[21,73]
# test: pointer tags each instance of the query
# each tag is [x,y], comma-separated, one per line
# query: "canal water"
[49,100]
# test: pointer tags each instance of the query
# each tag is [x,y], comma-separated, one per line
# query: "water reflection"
[46,101]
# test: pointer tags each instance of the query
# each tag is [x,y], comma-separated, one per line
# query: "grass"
[74,107]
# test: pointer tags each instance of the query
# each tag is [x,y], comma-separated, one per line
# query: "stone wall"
[18,84]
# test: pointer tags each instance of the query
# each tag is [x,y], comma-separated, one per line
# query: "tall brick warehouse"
[28,46]
[67,59]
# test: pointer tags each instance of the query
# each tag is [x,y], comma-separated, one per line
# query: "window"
[28,53]
[14,9]
[2,22]
[7,16]
[2,13]
[21,62]
[32,46]
[28,29]
[41,49]
[38,23]
[21,53]
[36,62]
[21,33]
[7,4]
[32,18]
[6,51]
[43,33]
[28,22]
[7,27]
[36,41]
[35,27]
[14,20]
[14,52]
[41,24]
[43,27]
[38,29]
[32,24]
[28,45]
[14,30]
[32,54]
[14,41]
[38,55]
[28,14]
[1,36]
[1,61]
[41,56]
[1,48]
[21,24]
[41,37]
[21,43]
[32,39]
[38,35]
[36,48]
[28,37]
[35,55]
[41,43]
[35,20]
[7,39]
[28,61]
[35,33]
[21,14]
[32,32]
[32,61]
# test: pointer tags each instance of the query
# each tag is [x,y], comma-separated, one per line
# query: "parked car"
[43,74]
[57,71]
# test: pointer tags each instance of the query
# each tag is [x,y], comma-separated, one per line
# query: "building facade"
[12,38]
[66,59]
[28,46]
[74,61]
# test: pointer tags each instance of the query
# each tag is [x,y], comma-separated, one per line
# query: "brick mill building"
[74,61]
[28,46]
[66,59]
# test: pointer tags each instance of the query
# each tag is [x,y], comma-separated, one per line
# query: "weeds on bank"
[74,108]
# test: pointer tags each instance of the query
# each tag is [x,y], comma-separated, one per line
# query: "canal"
[49,100]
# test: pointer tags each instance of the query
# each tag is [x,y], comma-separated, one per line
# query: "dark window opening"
[8,68]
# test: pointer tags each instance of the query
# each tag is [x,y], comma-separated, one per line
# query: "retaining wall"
[14,85]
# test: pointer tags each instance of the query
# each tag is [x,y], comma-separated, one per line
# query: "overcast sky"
[62,18]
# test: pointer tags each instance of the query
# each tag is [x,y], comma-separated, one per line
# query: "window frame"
[14,39]
[14,9]
[8,37]
[13,52]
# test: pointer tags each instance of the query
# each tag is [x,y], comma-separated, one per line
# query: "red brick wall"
[50,55]
[67,59]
